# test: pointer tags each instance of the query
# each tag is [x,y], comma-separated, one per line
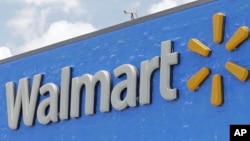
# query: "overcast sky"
[30,24]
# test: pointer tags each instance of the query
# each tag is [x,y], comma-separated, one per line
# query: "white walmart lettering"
[68,96]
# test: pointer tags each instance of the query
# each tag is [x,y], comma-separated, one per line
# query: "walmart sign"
[28,98]
[181,74]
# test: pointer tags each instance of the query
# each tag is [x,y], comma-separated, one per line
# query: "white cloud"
[35,27]
[23,22]
[67,6]
[59,31]
[135,4]
[39,2]
[72,6]
[4,52]
[28,23]
[166,4]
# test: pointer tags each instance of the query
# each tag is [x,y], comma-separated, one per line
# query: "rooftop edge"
[106,30]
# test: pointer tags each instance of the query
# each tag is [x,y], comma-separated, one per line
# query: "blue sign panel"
[176,76]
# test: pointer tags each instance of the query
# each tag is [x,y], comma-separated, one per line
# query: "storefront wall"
[189,117]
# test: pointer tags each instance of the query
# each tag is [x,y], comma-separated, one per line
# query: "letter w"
[24,98]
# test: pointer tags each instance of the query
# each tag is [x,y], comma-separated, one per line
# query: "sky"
[30,24]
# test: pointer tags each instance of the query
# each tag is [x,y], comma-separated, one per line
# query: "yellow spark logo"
[198,47]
